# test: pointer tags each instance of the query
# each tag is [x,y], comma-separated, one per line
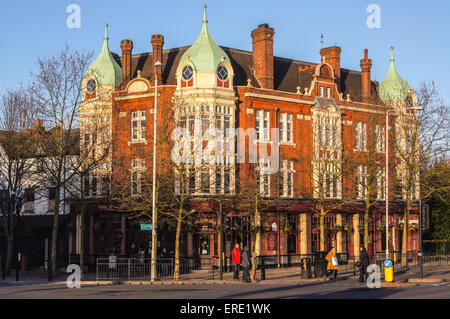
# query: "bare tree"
[56,92]
[420,137]
[17,161]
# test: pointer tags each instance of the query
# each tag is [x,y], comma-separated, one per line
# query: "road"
[319,290]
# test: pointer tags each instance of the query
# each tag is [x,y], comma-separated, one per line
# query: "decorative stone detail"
[299,116]
[123,114]
[249,111]
[307,118]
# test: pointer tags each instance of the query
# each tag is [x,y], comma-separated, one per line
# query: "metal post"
[220,242]
[387,184]
[154,216]
[420,236]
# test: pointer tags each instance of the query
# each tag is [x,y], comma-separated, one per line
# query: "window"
[361,181]
[106,181]
[191,183]
[360,136]
[51,193]
[218,180]
[137,176]
[29,195]
[286,182]
[262,126]
[285,126]
[226,180]
[380,180]
[222,73]
[379,138]
[321,91]
[138,121]
[226,126]
[187,73]
[205,181]
[328,92]
[263,179]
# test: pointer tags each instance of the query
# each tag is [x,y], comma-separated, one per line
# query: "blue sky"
[419,31]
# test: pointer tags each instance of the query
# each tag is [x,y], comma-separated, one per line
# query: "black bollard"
[49,269]
[263,270]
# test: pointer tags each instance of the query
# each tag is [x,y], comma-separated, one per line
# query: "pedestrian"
[363,263]
[245,263]
[164,263]
[236,257]
[332,266]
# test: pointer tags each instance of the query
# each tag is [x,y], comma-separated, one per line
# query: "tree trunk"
[176,272]
[366,226]
[405,235]
[322,229]
[54,250]
[9,252]
[82,213]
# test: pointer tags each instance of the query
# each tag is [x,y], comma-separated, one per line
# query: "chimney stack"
[127,48]
[332,56]
[157,43]
[263,55]
[366,66]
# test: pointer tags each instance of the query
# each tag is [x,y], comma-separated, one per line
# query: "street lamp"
[420,254]
[154,214]
[387,183]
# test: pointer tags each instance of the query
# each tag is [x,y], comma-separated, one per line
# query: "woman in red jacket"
[236,256]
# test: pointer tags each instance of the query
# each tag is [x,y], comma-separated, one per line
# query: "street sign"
[387,263]
[146,227]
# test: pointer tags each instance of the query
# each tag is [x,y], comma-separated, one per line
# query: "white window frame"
[138,132]
[262,126]
[286,128]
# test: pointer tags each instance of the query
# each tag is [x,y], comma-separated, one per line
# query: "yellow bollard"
[388,270]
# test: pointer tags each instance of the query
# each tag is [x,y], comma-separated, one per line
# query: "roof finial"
[392,54]
[106,31]
[321,41]
[204,13]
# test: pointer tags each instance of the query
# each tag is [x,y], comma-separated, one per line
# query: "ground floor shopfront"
[290,230]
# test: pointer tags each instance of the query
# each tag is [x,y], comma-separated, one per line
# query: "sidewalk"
[281,276]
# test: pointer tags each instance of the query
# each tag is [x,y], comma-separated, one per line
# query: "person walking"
[363,263]
[236,258]
[332,266]
[245,263]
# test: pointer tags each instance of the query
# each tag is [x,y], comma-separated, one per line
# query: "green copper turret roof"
[205,54]
[393,88]
[105,67]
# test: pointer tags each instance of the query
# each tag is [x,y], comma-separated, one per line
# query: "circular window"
[187,73]
[222,73]
[91,86]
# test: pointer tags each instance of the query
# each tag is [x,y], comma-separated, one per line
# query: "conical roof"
[205,54]
[105,68]
[393,88]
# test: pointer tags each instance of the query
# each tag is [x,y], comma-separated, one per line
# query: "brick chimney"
[39,124]
[366,66]
[263,55]
[332,56]
[127,48]
[157,43]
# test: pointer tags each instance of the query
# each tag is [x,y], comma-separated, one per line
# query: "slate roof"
[287,76]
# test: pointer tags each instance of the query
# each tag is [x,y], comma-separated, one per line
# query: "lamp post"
[387,183]
[154,213]
[420,254]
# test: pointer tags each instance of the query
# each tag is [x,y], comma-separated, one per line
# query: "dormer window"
[187,75]
[222,76]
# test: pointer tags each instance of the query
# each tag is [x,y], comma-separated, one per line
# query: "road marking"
[328,292]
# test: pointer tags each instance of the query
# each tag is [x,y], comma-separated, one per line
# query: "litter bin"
[306,268]
[320,264]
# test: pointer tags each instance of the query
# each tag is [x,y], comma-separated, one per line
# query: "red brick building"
[305,101]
